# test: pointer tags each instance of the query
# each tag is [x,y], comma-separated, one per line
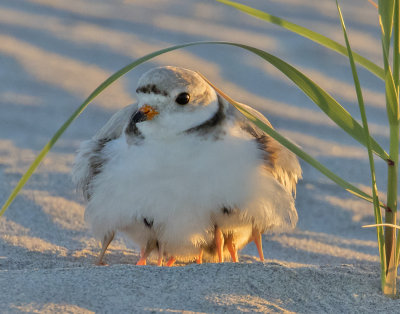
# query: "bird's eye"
[182,98]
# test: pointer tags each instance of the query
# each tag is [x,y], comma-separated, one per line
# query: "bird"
[184,175]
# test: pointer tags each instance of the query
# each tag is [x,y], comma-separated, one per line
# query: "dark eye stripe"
[151,89]
[182,99]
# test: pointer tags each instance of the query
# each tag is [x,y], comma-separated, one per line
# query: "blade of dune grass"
[392,106]
[321,98]
[396,46]
[388,17]
[326,102]
[396,78]
[386,13]
[292,147]
[307,33]
[377,211]
[391,244]
[373,3]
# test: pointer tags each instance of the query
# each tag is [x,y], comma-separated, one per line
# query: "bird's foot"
[171,261]
[143,257]
[100,263]
[141,262]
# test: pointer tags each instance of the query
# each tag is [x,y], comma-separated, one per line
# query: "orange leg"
[219,243]
[171,261]
[199,259]
[160,257]
[104,245]
[256,236]
[143,257]
[145,252]
[232,249]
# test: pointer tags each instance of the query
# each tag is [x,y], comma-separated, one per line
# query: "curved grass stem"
[377,212]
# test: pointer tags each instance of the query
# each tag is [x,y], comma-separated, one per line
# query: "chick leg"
[171,261]
[143,257]
[160,256]
[104,245]
[219,243]
[145,252]
[232,248]
[199,259]
[256,237]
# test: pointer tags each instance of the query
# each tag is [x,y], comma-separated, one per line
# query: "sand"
[54,53]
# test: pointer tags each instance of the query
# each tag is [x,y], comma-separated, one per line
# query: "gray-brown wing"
[90,159]
[281,162]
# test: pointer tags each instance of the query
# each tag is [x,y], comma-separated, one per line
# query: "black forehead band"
[151,89]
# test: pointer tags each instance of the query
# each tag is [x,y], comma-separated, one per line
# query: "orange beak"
[145,113]
[149,112]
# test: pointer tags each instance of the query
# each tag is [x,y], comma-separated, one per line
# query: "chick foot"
[145,252]
[171,261]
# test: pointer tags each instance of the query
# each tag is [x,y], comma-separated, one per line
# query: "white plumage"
[194,178]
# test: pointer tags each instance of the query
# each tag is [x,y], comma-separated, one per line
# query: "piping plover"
[183,175]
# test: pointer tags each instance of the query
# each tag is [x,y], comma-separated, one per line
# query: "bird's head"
[171,101]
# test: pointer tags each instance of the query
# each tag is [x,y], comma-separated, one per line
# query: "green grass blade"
[321,98]
[292,147]
[330,106]
[306,157]
[307,33]
[396,46]
[386,13]
[377,211]
[396,65]
[392,105]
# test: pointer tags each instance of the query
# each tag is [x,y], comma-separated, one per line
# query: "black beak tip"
[139,116]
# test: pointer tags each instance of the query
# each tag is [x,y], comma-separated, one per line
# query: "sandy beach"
[54,53]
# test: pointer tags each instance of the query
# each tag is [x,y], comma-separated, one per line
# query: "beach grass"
[388,10]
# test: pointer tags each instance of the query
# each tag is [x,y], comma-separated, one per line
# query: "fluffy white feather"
[182,185]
